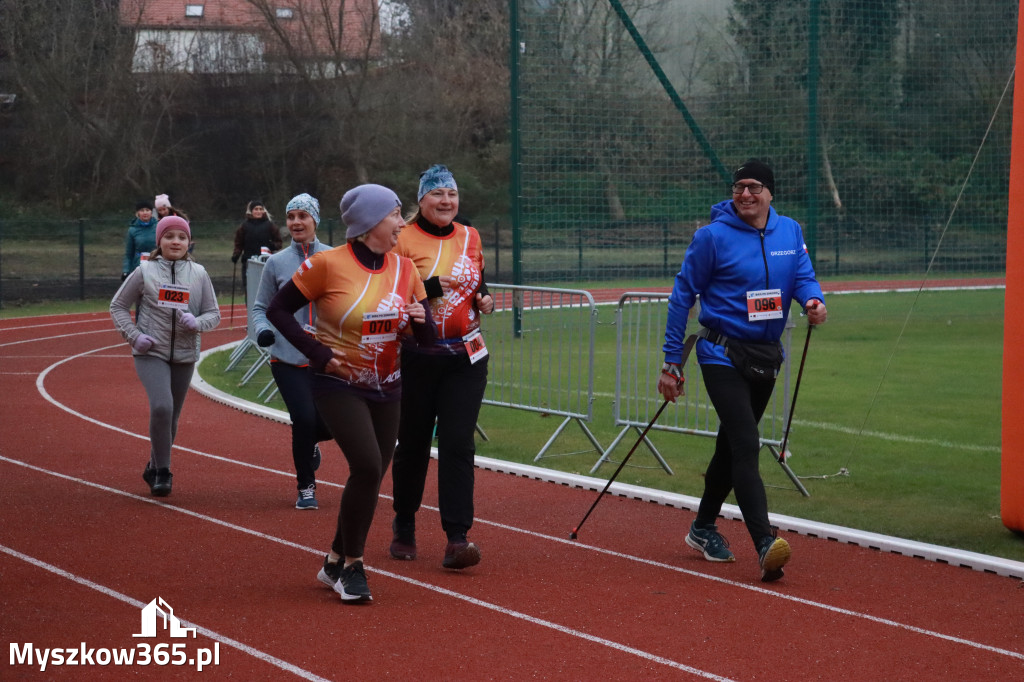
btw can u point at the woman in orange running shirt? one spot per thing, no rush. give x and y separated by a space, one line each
444 382
366 299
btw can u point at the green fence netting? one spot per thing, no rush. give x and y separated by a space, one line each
879 117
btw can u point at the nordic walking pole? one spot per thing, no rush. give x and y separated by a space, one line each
796 390
234 269
687 347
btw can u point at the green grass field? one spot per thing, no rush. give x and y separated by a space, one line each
900 390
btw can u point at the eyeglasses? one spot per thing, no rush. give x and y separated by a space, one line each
753 189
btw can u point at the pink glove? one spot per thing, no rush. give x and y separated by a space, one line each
143 342
188 320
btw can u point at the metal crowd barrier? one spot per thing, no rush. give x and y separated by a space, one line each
254 272
540 343
640 320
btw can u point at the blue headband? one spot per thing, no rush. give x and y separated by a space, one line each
435 177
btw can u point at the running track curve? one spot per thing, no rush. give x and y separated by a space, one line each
83 547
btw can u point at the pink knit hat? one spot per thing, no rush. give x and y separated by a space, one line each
172 222
162 200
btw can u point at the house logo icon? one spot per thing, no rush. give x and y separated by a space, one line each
158 607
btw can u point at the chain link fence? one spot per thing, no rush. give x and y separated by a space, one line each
42 260
879 118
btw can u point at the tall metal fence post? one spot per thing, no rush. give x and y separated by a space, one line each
1 264
81 259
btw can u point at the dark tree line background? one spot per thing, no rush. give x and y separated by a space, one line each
907 90
86 136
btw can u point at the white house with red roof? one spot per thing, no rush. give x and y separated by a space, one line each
246 36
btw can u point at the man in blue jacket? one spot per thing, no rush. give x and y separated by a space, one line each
746 266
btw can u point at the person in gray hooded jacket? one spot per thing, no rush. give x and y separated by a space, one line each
289 366
175 302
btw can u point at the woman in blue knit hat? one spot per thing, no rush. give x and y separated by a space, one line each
445 382
289 366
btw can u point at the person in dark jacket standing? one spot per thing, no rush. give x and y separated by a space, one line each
140 239
746 266
175 302
256 232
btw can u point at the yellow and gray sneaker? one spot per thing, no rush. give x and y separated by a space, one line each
772 553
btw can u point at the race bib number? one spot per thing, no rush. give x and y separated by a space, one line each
172 296
380 327
474 343
764 305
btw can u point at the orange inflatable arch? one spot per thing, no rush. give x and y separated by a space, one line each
1012 482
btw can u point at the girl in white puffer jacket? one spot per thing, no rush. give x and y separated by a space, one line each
175 302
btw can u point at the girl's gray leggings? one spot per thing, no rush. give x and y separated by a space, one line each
166 384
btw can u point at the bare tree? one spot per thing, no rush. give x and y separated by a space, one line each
86 129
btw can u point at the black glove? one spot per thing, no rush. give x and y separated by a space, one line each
124 276
234 258
265 338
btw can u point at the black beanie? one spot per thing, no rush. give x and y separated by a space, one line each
755 169
143 204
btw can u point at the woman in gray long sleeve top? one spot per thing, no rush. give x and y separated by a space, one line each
287 364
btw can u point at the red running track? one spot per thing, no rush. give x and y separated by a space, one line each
83 547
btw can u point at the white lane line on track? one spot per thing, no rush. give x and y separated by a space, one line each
579 634
650 562
62 336
206 632
57 324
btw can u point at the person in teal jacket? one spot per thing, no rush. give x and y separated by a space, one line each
746 266
140 239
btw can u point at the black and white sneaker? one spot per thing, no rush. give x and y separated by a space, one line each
329 573
352 584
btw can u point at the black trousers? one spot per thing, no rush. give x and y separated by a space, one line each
308 428
447 389
735 464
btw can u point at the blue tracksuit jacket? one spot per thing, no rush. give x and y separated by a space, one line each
726 259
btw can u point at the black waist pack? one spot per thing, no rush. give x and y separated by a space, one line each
755 361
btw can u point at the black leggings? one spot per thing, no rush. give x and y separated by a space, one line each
448 389
365 431
734 466
308 428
